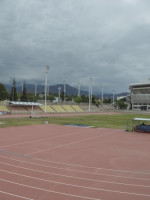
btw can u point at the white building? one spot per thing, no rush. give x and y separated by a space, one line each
140 96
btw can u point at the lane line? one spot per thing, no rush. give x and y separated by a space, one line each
76 177
59 183
75 142
88 167
79 171
10 194
74 165
13 153
74 133
51 191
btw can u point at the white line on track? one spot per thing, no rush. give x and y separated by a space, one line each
107 169
78 171
88 167
10 194
75 142
50 138
62 183
81 166
50 191
79 178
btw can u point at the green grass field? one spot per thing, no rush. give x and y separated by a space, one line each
108 121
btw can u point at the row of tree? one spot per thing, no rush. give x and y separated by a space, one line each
25 97
13 95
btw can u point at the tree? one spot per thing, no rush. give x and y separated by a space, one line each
51 97
62 95
24 94
84 99
78 99
13 94
93 99
122 104
3 92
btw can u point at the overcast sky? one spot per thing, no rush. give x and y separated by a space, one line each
108 40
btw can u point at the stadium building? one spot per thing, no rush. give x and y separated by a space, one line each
140 96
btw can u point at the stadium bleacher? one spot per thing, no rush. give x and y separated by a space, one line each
58 108
48 109
68 108
3 108
77 108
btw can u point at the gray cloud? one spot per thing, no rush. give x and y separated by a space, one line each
106 40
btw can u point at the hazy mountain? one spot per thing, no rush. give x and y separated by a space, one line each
52 89
69 90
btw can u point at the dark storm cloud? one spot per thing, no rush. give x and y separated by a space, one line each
106 40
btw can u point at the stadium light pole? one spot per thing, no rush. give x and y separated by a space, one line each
59 88
102 94
22 86
79 89
35 89
65 89
113 97
90 86
46 73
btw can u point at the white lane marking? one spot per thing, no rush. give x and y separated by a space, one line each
10 194
74 133
62 183
75 165
75 142
79 171
88 167
76 177
50 191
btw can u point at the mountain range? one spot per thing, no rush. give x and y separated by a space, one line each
54 90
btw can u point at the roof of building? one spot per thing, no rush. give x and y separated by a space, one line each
18 103
137 85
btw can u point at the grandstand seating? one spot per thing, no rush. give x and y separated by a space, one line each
68 108
3 108
58 108
48 108
77 108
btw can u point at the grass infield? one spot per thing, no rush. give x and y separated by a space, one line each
107 121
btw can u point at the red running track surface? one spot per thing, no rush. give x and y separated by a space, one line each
42 162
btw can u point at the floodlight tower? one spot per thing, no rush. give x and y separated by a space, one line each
113 97
46 73
35 89
90 89
22 86
59 88
79 89
65 81
102 93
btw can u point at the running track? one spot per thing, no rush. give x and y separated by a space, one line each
54 162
